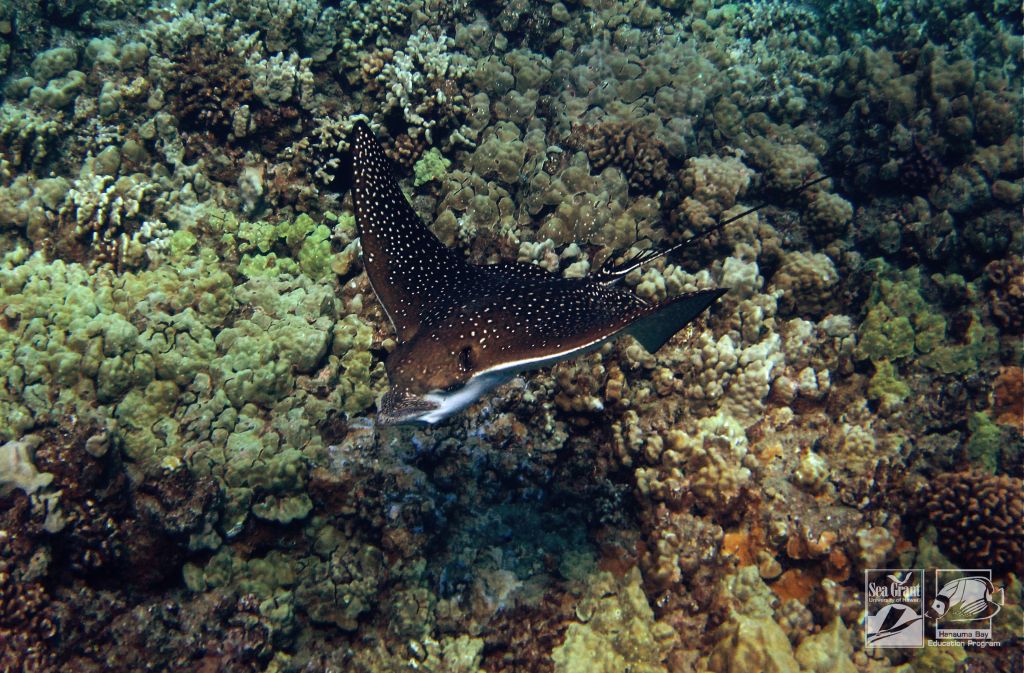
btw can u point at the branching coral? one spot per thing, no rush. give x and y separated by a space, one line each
418 81
27 137
104 220
207 91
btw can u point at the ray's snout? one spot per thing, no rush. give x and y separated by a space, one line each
398 408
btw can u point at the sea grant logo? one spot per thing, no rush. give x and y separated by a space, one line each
963 606
894 607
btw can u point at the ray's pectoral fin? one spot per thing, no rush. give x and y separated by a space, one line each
411 271
657 326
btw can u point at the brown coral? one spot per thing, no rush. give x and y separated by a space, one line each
979 518
678 545
807 282
208 89
1006 293
216 105
1008 405
406 150
27 621
524 637
629 147
72 556
371 65
919 168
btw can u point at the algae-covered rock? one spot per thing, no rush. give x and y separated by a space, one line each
616 632
270 579
753 598
752 644
939 659
340 582
827 651
284 509
751 640
462 654
17 471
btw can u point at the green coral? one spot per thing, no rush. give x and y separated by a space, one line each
333 581
167 354
362 378
257 235
988 446
898 320
73 340
901 325
270 579
253 266
289 247
315 255
431 166
886 387
181 243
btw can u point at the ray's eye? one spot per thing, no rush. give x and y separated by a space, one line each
466 358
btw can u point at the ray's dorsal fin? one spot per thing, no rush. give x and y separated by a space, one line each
412 273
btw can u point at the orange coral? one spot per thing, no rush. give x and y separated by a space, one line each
739 543
795 584
838 566
804 545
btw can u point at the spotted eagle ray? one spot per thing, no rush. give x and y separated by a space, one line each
464 329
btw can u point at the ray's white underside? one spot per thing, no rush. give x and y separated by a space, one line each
484 381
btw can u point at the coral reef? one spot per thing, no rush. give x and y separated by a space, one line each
190 352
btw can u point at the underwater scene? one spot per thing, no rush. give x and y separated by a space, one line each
554 336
